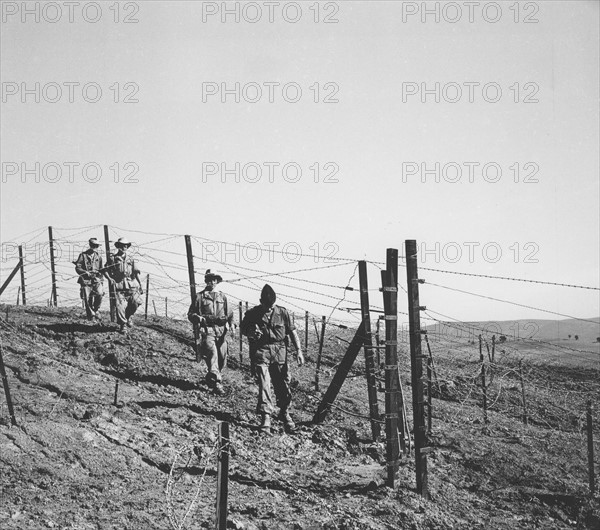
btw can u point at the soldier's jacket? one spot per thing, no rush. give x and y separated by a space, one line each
123 270
88 262
214 307
275 326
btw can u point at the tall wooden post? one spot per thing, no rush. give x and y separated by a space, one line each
192 279
23 298
321 340
9 402
590 446
390 306
111 288
525 417
483 383
222 476
52 267
416 362
306 332
240 331
368 347
147 294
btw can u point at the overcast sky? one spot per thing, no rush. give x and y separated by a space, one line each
350 99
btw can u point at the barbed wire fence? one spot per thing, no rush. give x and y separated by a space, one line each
520 378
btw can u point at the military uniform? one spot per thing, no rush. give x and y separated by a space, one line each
268 354
123 271
88 267
213 306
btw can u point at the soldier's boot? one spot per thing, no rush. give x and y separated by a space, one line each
288 422
265 423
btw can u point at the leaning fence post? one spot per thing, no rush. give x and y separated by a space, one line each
590 443
9 402
222 476
154 306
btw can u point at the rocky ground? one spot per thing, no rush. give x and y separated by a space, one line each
77 461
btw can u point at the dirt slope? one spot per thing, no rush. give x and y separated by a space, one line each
77 461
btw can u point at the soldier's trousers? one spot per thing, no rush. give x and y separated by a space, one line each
214 351
92 298
126 303
276 373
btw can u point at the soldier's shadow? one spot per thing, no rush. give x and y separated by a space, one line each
78 328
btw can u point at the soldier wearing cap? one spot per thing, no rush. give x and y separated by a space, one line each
122 273
211 311
91 277
268 328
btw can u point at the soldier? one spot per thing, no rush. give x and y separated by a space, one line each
122 272
91 277
268 327
211 311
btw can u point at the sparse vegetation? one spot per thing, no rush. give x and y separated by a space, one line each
76 461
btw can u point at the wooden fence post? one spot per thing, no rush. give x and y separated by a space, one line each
429 404
166 307
111 289
147 294
340 376
321 339
483 382
525 418
8 280
368 347
18 295
416 357
52 267
590 447
22 262
154 306
306 333
390 306
240 331
192 279
9 402
222 476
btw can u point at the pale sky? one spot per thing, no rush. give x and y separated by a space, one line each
370 63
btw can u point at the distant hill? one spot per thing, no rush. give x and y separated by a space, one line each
541 329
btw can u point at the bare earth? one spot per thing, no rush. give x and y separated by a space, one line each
76 461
